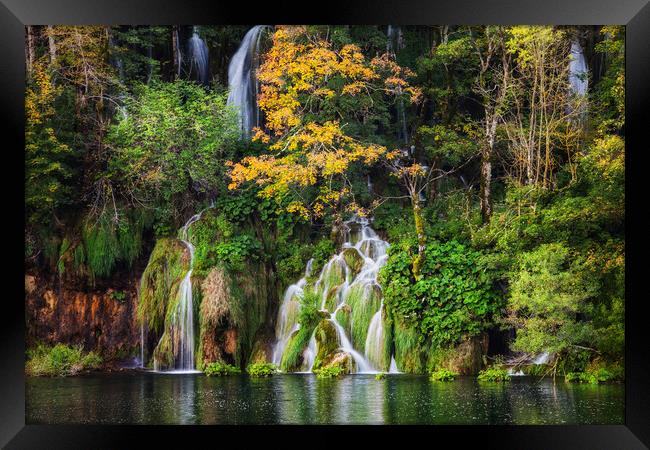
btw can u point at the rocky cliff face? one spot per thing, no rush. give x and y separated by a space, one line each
102 320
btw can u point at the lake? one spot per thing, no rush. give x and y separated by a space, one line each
136 397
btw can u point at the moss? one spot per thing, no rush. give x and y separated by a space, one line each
259 370
466 358
443 375
326 341
329 372
364 301
167 265
292 356
219 369
408 354
60 360
353 259
343 317
163 354
340 360
495 374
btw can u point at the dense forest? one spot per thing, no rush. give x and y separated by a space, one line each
181 180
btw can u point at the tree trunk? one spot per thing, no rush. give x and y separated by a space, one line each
486 179
51 44
419 230
176 52
30 50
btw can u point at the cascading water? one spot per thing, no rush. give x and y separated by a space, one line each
352 287
578 70
288 314
198 51
182 327
394 43
242 79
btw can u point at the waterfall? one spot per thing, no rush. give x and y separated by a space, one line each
542 358
375 339
198 51
393 44
370 252
242 79
578 70
182 325
288 315
393 365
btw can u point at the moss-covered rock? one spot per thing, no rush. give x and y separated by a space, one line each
343 317
466 358
293 351
408 354
339 359
353 259
364 302
168 264
327 341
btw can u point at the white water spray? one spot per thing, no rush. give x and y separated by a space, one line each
242 79
198 51
371 250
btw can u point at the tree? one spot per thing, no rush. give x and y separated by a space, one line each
47 158
312 94
491 85
541 114
547 296
172 141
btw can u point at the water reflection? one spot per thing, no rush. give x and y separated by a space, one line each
147 398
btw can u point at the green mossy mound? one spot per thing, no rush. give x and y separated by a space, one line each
327 342
353 259
364 302
168 264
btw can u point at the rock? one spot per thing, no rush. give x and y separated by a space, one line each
353 259
339 359
466 358
327 341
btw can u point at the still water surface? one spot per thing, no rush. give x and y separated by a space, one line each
153 398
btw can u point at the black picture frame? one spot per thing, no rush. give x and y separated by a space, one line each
14 14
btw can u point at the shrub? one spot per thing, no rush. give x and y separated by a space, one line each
261 369
60 360
328 372
380 376
494 374
219 369
443 375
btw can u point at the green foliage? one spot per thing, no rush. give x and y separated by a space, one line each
219 369
120 296
380 376
454 296
547 291
261 369
493 374
174 136
60 360
443 375
160 281
329 372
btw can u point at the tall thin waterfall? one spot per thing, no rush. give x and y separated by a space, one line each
242 79
183 322
393 44
288 314
352 288
578 70
198 51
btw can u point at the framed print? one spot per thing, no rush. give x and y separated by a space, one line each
408 217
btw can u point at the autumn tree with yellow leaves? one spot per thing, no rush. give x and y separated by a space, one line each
312 95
